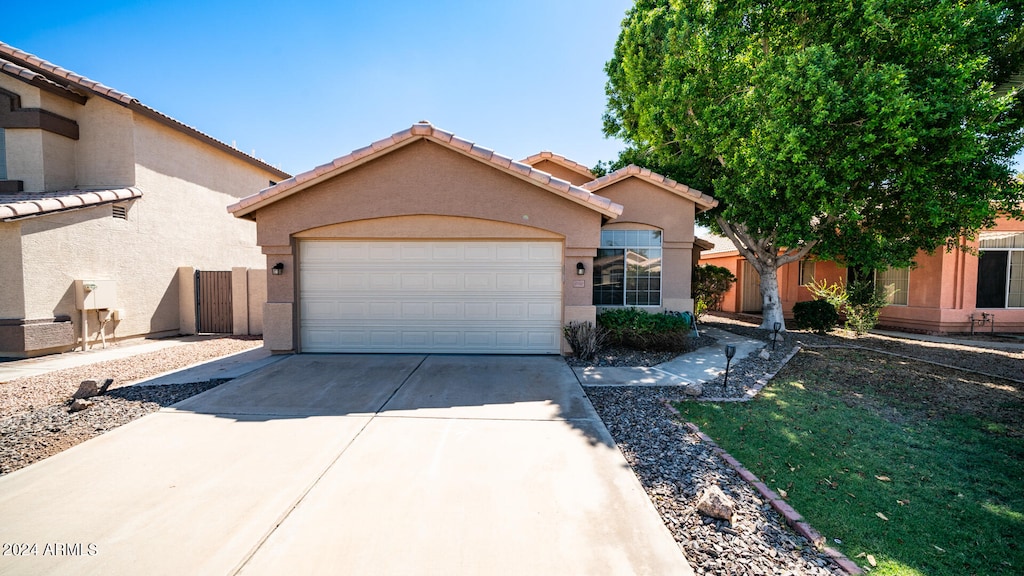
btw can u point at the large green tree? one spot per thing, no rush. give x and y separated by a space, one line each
856 130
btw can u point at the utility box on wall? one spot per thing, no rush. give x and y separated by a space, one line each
96 294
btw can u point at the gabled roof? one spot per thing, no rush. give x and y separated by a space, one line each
703 201
39 72
560 160
22 205
424 131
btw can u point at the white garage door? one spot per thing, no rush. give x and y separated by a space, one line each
458 297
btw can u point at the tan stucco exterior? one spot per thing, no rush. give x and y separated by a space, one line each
178 221
427 191
430 190
647 205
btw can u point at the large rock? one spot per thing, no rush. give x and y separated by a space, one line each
694 389
765 354
90 388
715 503
87 389
79 405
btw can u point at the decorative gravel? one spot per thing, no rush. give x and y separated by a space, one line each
35 420
674 467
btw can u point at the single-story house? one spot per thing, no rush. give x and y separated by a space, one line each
104 201
426 242
944 293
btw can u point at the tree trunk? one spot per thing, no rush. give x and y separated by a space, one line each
771 302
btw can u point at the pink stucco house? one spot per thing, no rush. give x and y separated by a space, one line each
944 293
426 242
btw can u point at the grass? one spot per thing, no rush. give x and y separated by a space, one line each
853 437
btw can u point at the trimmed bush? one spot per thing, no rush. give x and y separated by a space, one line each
634 328
585 338
710 283
817 315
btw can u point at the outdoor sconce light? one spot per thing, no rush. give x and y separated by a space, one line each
278 269
730 351
778 326
580 269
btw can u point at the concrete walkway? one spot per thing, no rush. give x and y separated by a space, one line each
12 369
699 366
1011 346
348 464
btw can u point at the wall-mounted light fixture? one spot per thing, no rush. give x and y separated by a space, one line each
580 269
278 269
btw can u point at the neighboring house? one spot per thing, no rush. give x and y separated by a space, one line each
425 242
942 294
97 187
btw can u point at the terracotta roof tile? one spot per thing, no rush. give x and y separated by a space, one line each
22 205
77 80
558 159
425 131
702 200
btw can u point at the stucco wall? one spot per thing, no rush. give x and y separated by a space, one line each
647 205
12 287
106 147
422 190
559 171
25 158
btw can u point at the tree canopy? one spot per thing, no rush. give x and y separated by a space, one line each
856 130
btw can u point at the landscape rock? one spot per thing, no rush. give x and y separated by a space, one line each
765 354
79 404
87 389
695 389
716 504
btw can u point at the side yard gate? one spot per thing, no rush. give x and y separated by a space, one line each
213 302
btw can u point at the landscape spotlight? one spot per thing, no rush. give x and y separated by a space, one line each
778 326
730 351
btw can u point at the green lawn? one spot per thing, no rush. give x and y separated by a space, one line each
851 436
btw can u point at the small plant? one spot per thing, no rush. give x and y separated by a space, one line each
859 301
710 283
585 338
634 328
817 315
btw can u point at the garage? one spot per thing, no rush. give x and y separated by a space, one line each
440 296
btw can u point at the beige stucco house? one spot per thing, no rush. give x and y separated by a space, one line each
97 187
426 242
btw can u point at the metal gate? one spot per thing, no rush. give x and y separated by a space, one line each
213 302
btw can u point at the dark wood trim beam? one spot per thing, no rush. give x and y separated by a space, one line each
12 115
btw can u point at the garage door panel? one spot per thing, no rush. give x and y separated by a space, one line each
460 297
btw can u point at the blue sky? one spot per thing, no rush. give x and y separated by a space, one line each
302 83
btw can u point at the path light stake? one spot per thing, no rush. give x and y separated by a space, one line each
778 326
730 351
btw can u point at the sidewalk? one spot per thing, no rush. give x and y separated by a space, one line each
1013 346
695 367
224 368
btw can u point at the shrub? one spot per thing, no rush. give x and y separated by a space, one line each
859 301
641 330
585 338
710 283
817 315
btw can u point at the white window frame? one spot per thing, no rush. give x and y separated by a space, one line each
1013 244
626 246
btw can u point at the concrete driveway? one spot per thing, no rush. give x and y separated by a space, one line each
348 464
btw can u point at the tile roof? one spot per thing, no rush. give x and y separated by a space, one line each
32 68
632 171
425 131
721 245
25 205
560 160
